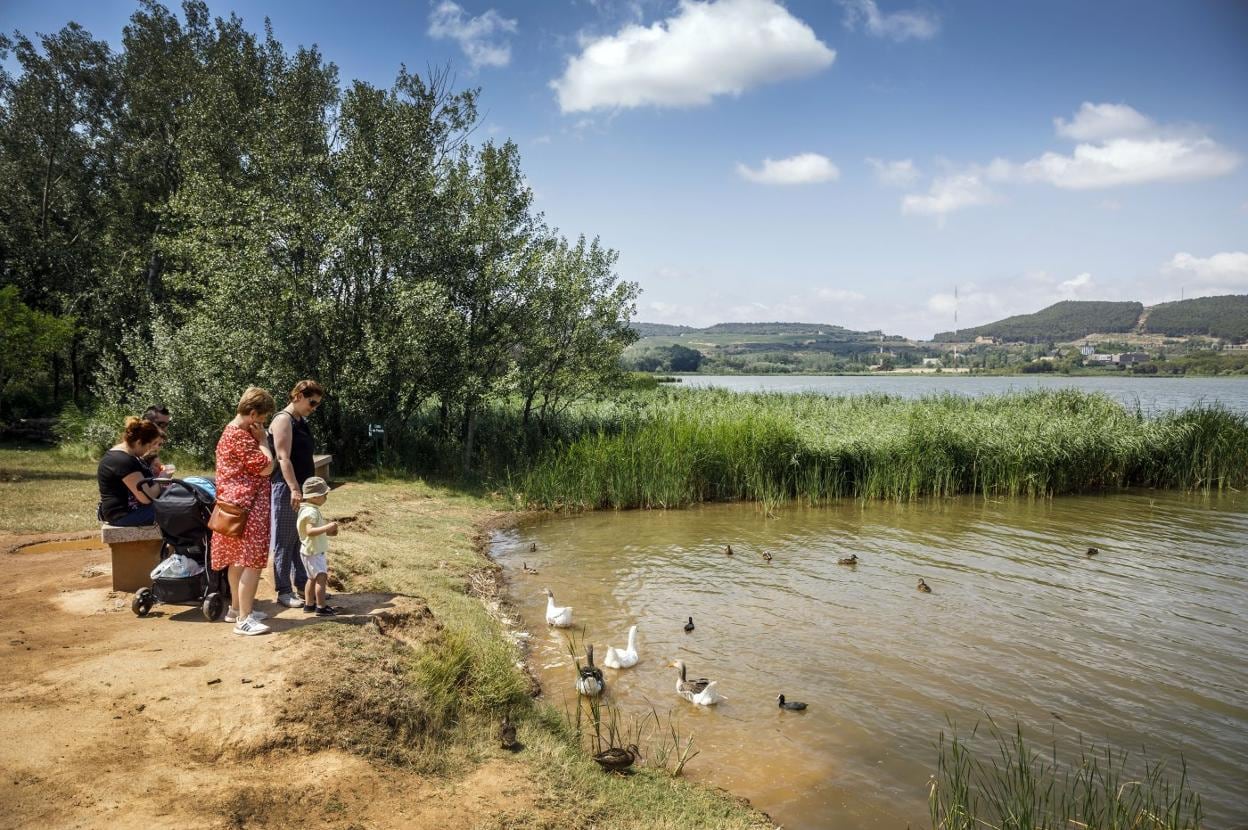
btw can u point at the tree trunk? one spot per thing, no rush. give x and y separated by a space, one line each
470 429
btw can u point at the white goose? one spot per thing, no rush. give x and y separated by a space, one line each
703 692
558 616
589 680
623 658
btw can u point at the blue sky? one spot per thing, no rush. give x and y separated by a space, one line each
843 162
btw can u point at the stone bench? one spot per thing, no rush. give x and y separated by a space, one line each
321 464
136 550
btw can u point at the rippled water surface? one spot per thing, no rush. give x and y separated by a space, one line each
1145 644
1151 394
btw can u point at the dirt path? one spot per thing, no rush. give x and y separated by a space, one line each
112 720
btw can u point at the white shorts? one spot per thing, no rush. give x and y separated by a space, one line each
314 564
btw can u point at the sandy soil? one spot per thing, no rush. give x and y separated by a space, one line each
112 720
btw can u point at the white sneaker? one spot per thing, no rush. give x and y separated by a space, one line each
250 626
231 615
290 601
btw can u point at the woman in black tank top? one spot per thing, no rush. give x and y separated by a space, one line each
292 449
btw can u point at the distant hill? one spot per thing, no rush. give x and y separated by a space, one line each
776 328
1225 316
659 329
1067 320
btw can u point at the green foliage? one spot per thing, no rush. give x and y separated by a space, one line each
1225 317
28 339
687 446
217 211
1067 320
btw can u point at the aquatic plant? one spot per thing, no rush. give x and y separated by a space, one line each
1020 788
689 446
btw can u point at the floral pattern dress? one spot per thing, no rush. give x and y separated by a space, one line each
242 480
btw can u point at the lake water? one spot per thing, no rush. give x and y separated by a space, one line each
1151 394
1145 644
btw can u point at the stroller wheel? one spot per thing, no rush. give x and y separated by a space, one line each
213 606
142 602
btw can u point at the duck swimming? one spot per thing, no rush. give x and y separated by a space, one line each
728 550
767 555
852 559
623 658
589 681
532 547
703 692
923 587
529 570
689 625
1093 552
791 705
558 616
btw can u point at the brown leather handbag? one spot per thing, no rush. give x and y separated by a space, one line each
228 519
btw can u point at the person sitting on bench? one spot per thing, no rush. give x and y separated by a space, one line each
123 502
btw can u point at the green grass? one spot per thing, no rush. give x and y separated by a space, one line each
1013 786
689 446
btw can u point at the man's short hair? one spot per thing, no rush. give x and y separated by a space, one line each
155 409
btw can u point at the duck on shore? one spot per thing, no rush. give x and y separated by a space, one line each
923 587
507 734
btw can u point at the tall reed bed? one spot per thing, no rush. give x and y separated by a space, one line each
690 446
1014 786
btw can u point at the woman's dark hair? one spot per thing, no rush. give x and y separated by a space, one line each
306 389
139 431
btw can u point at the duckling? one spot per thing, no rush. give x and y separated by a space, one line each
728 550
558 616
689 625
1093 552
532 547
529 570
767 556
589 681
703 692
507 734
923 587
852 559
791 705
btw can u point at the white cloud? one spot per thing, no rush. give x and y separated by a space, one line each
1228 269
1094 122
704 50
902 25
1131 149
1124 161
949 193
804 168
839 295
477 36
1076 286
901 173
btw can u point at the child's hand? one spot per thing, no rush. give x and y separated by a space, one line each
333 529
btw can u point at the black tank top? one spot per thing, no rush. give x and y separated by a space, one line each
300 450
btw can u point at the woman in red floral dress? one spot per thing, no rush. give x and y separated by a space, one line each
244 463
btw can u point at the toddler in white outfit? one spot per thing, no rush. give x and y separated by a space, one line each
314 533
